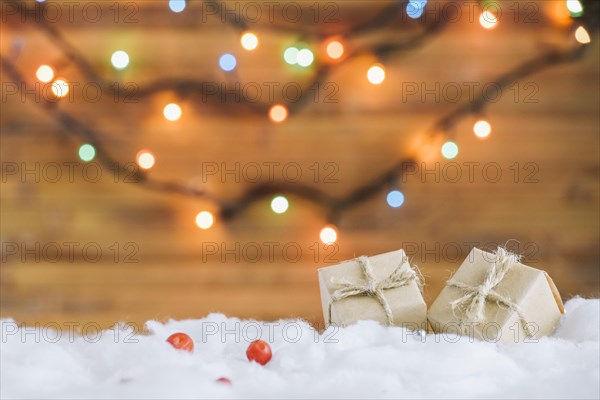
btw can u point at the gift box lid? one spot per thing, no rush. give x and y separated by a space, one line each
383 265
517 281
531 289
406 302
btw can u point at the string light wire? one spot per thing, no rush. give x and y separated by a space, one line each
231 208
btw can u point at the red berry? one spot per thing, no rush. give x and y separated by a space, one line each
181 341
224 380
259 351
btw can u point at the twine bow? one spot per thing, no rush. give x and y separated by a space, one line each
369 287
475 297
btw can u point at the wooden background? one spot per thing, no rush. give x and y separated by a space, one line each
555 220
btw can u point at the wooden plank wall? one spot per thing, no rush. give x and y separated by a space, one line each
553 219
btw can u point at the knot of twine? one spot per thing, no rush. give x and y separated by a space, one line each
475 297
370 287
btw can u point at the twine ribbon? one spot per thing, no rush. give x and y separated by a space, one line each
472 303
370 287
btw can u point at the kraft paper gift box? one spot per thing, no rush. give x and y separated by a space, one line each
493 297
383 288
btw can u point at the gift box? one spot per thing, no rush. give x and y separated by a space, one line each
493 297
382 288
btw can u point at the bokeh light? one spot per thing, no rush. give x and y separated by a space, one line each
582 36
279 204
177 6
119 59
204 219
249 41
415 8
482 129
488 20
60 87
44 73
227 62
145 159
278 113
290 55
395 198
559 14
575 8
328 235
87 152
305 58
335 49
376 74
172 112
449 150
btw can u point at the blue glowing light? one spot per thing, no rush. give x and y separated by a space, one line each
177 6
415 8
395 198
227 62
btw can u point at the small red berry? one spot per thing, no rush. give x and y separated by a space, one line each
259 351
181 341
224 380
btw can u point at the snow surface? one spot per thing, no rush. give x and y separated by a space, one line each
365 360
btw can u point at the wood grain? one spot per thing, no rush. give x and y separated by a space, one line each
550 208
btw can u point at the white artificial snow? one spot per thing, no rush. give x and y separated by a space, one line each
365 360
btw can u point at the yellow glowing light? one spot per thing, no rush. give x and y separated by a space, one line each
119 59
60 88
488 20
145 159
279 204
278 113
426 146
376 74
582 36
482 129
249 41
204 220
172 112
45 73
335 49
328 235
560 14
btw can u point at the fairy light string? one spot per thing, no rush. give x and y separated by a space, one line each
332 206
184 87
